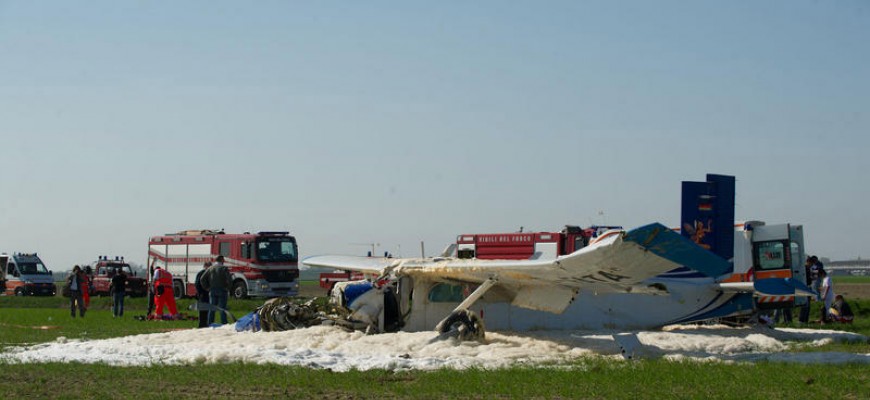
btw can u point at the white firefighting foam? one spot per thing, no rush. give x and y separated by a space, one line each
335 349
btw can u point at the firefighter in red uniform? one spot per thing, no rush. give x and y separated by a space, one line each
163 295
86 288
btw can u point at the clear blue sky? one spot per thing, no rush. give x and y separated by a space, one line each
395 123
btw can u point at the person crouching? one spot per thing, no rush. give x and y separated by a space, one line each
163 294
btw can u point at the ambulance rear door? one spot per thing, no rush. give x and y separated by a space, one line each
772 258
798 255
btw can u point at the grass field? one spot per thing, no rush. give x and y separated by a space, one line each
28 320
850 279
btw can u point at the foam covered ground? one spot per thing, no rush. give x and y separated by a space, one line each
332 348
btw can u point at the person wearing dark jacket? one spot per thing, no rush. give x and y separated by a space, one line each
217 280
202 296
118 288
811 271
76 283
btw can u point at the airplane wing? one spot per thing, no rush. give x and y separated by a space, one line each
366 265
618 261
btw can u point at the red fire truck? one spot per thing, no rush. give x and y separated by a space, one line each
527 245
104 270
263 264
503 246
329 279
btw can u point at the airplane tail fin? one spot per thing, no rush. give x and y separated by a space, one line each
707 215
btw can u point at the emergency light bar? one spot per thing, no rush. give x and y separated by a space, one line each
273 233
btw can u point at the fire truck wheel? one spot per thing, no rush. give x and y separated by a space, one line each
240 290
19 292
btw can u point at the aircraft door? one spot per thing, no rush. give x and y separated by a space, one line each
405 295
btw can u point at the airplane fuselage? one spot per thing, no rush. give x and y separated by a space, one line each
687 299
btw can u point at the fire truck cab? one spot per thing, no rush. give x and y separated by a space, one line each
25 274
263 264
531 245
105 269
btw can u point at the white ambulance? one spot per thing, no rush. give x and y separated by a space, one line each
24 274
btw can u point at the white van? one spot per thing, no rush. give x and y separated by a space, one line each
25 275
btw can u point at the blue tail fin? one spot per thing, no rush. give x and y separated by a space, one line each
707 216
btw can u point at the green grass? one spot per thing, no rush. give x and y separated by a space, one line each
28 320
652 379
849 279
860 307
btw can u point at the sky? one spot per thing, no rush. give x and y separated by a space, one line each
395 123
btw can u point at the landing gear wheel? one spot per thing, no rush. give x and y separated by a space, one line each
464 324
240 290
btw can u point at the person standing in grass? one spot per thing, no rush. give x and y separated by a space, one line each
76 283
217 281
826 292
814 272
86 286
118 288
804 316
202 296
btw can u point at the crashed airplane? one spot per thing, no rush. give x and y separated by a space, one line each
642 278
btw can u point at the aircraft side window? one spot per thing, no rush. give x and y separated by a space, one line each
445 293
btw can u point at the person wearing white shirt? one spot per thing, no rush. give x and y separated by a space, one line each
826 292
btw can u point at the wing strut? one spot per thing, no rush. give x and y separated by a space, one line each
476 294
